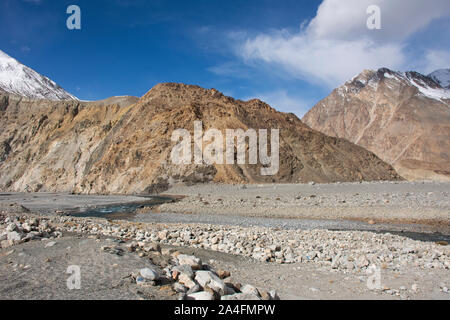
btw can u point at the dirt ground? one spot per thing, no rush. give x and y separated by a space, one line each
34 271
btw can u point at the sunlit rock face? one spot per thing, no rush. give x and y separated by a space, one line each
124 146
404 118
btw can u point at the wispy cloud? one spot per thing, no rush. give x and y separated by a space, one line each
436 59
25 49
321 61
282 100
336 44
231 68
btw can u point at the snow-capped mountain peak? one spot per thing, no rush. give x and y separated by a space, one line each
434 86
441 76
20 80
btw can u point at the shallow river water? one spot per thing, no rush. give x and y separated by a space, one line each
124 208
127 212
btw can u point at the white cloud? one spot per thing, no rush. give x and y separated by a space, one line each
347 19
281 100
336 45
436 59
322 61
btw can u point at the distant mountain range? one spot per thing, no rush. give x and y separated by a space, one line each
404 118
55 142
123 144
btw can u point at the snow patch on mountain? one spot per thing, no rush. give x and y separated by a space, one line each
431 86
431 89
441 76
23 81
437 94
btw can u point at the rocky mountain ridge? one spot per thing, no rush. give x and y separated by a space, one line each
82 147
441 76
404 118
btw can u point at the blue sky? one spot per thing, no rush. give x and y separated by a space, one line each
289 53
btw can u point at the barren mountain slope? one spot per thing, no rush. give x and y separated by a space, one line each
404 118
122 101
89 148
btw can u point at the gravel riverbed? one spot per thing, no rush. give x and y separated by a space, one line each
268 256
345 255
420 202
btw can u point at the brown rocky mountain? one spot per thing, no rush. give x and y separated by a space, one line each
404 118
121 101
96 148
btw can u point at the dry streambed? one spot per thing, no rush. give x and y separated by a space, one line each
169 270
351 252
402 202
344 250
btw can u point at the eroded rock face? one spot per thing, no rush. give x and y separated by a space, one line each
404 118
72 146
5 149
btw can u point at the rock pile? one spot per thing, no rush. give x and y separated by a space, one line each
347 251
190 278
14 230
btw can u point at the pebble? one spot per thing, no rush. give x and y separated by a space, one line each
186 280
203 295
223 274
50 244
140 280
185 269
210 280
149 274
194 262
14 236
249 289
241 296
